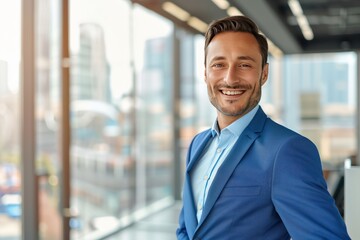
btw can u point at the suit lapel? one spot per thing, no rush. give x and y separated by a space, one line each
189 207
246 139
197 149
195 152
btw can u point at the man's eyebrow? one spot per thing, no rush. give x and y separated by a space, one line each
246 58
217 58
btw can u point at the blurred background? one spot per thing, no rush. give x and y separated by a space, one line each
99 100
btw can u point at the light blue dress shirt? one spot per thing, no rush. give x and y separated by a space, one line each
214 155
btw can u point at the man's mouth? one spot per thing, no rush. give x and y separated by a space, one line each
233 92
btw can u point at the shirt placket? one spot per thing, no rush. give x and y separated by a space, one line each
223 142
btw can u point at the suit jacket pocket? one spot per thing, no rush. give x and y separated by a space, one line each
241 191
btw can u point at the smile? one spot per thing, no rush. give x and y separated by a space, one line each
230 93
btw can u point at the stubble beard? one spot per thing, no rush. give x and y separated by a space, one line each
253 101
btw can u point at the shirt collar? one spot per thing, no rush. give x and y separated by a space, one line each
237 127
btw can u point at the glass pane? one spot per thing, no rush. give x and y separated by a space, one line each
103 169
10 189
154 104
48 102
272 98
205 111
320 101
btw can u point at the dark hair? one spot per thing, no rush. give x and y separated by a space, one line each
237 24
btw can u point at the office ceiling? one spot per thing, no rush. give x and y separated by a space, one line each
335 23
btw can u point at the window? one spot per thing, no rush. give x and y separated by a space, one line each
121 110
10 175
319 101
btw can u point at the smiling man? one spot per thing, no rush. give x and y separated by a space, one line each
248 177
234 75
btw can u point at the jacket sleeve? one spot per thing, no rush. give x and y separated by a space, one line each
300 195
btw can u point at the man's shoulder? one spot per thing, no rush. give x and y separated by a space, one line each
275 130
279 127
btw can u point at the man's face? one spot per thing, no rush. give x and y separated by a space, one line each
234 75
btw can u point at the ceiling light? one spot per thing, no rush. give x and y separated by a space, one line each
197 24
305 27
295 7
222 4
301 19
308 33
176 11
233 11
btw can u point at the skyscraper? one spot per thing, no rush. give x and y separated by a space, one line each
90 68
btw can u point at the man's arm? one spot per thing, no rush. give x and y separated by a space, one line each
300 194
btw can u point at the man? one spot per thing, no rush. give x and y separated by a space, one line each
248 177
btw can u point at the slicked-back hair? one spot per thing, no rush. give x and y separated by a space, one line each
237 24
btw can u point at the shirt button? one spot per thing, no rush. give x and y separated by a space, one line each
218 150
206 177
199 206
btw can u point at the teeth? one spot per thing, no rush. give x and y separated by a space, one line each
231 92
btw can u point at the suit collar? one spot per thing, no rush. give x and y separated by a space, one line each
258 122
200 141
199 144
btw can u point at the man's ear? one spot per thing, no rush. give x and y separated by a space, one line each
205 74
265 74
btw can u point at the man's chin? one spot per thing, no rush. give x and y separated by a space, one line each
232 113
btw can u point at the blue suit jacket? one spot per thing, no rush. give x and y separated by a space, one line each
269 187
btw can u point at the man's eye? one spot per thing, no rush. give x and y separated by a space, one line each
218 65
244 65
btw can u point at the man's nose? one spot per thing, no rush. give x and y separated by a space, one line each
231 76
